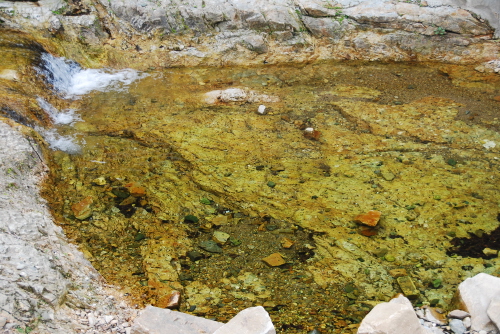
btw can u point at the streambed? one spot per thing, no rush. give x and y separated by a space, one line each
162 166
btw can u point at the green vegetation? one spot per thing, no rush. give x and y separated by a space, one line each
439 31
60 11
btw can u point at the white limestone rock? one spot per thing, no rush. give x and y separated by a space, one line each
494 311
253 320
477 293
238 95
458 314
390 318
154 320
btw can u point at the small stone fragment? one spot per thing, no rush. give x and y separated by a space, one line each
128 201
387 175
271 184
82 210
390 258
312 134
490 252
205 201
100 181
210 246
220 220
206 227
497 98
398 272
135 189
274 260
194 255
191 219
140 236
173 300
286 243
220 237
371 218
234 241
408 288
262 109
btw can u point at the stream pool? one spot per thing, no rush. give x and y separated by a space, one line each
281 160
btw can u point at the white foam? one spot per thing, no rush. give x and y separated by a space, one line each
69 79
59 142
67 116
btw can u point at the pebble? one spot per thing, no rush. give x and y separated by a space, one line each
100 181
388 176
136 189
220 220
194 255
174 300
82 210
274 260
262 109
408 287
458 314
457 326
286 243
210 246
398 272
220 237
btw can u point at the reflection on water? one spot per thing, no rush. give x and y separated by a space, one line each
162 170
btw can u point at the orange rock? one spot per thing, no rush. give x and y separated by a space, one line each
497 98
274 260
286 243
220 220
136 189
367 231
82 209
370 218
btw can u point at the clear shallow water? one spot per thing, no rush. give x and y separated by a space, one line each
403 139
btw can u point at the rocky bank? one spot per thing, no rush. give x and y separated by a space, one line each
164 33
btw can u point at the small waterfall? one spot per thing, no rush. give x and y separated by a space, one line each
58 117
70 80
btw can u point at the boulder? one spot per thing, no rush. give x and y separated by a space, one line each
154 320
477 294
391 317
253 320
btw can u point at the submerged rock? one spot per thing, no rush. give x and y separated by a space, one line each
83 209
371 218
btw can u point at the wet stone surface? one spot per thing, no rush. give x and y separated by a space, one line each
166 170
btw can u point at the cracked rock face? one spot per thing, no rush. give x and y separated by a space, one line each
234 32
